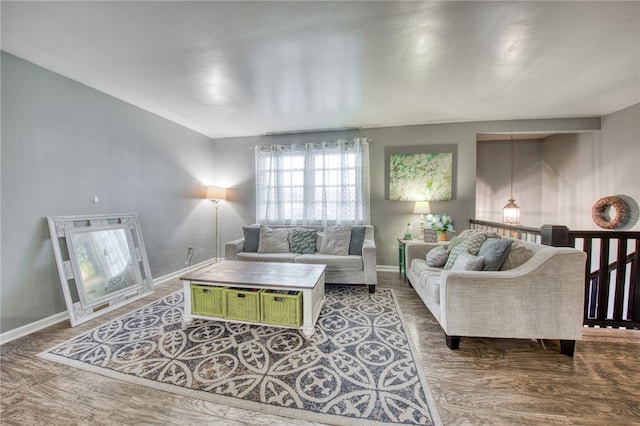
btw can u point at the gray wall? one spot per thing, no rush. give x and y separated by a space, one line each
493 183
235 161
63 143
558 179
582 168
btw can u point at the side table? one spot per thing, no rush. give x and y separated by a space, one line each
401 256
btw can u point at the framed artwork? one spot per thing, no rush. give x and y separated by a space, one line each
420 176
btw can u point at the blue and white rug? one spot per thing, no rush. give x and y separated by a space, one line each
358 368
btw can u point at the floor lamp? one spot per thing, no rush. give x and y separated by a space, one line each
216 194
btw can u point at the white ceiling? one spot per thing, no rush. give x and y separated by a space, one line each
248 68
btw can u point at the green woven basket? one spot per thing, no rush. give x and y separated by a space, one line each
207 300
280 307
243 304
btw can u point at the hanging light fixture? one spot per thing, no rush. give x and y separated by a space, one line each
511 211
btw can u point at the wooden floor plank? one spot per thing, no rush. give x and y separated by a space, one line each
485 382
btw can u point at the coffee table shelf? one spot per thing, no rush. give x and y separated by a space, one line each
307 279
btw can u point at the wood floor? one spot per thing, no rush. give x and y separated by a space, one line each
485 382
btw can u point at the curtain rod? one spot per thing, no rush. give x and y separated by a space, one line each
293 132
369 141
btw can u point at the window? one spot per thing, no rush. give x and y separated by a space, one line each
313 184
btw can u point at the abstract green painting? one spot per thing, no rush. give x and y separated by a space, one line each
420 177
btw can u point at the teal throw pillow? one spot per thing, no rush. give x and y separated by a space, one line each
302 241
495 252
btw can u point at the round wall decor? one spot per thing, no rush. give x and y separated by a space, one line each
600 216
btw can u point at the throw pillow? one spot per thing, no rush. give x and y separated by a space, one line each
468 262
251 239
302 240
336 240
437 257
273 240
357 238
518 254
494 251
470 244
455 241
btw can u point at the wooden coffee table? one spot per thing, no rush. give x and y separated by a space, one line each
308 279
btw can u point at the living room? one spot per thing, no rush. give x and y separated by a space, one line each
72 146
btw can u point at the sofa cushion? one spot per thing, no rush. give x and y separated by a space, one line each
495 252
336 240
437 257
418 266
251 238
468 262
357 238
302 240
470 244
518 255
333 262
429 278
273 240
431 282
268 257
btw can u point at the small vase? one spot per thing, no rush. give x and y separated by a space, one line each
442 236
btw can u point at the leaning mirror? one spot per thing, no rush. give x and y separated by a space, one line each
101 261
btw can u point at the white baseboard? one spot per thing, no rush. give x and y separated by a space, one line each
16 333
179 273
387 268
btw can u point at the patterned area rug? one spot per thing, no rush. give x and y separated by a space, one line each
358 368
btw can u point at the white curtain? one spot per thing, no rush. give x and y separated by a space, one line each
313 184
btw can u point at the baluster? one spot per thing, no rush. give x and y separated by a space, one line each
621 275
603 279
634 296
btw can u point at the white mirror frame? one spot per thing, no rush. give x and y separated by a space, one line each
80 305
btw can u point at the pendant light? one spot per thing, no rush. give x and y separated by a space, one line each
511 211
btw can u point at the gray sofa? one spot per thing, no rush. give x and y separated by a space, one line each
340 269
537 294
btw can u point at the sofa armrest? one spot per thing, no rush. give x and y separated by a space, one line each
543 298
369 261
417 250
232 248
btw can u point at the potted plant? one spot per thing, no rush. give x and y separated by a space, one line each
441 223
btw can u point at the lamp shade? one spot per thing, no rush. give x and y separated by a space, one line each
511 213
216 193
421 207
